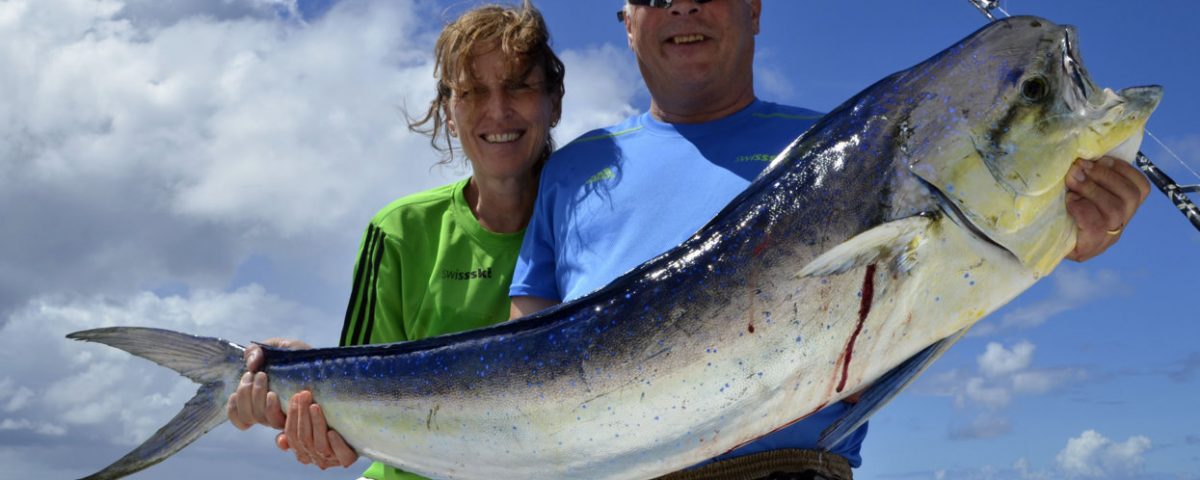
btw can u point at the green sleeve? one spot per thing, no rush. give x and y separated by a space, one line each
375 312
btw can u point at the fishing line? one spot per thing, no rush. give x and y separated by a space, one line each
1175 192
1177 159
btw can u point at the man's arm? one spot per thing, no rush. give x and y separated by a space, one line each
527 305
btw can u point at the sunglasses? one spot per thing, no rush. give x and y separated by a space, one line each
649 3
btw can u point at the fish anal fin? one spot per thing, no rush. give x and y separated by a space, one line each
879 393
897 240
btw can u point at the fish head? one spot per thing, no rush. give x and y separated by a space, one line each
1004 114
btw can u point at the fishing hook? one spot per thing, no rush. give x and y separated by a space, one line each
1175 192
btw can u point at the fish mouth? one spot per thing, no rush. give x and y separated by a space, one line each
1132 107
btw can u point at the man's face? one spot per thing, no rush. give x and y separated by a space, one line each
694 47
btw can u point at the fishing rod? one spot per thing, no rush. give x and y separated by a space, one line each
1178 194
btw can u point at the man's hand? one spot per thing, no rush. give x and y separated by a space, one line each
252 402
310 438
1102 197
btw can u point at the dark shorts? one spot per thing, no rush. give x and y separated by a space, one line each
772 465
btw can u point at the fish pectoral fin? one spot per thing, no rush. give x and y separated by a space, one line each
896 240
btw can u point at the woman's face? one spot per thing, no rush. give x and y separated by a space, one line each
502 119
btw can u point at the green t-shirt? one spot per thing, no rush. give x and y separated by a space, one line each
426 268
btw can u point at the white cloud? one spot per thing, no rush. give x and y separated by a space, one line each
138 152
991 396
14 399
1026 471
1004 374
165 13
1073 287
76 385
983 426
1092 455
151 143
601 83
1043 381
45 429
998 361
770 81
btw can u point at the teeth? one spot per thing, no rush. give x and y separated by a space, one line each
681 39
501 137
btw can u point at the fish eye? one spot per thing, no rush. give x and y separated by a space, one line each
1035 89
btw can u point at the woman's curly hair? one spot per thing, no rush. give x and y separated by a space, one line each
519 32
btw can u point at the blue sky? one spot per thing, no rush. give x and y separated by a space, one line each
208 167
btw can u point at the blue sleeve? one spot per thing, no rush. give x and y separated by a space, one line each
536 265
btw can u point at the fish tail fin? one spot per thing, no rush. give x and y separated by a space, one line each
213 363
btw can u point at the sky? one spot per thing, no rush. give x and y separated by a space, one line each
209 166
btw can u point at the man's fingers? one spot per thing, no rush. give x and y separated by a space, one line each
275 416
245 394
292 430
304 440
1111 177
346 456
328 443
1108 204
1135 176
259 400
232 413
319 432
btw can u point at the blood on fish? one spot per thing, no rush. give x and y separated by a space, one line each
864 309
762 246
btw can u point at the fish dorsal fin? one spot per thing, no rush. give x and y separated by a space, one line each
898 239
882 391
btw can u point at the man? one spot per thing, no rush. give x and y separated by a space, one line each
621 195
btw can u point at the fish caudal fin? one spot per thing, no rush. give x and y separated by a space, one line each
214 363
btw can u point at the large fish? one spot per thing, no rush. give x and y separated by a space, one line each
863 251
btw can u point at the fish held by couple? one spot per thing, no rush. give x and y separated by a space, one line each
857 257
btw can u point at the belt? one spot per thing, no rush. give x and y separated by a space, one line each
772 464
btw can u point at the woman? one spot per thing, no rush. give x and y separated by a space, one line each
440 261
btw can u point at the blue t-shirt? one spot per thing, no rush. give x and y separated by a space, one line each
619 196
